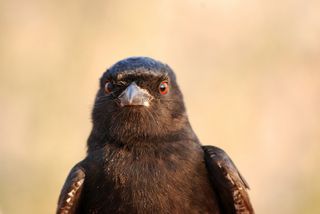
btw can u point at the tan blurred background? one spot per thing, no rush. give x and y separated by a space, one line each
249 70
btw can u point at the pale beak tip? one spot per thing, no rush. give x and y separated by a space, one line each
146 103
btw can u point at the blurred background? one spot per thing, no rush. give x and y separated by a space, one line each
249 71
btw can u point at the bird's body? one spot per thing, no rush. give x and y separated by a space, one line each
149 179
143 156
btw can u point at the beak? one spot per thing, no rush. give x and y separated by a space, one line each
134 96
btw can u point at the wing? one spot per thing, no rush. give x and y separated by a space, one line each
229 185
70 194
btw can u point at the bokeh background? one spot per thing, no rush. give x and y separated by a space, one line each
249 71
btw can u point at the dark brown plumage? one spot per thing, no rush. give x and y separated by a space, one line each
143 156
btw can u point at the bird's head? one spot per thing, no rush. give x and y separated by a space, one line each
138 99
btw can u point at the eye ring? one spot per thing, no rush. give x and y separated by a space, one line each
108 87
164 87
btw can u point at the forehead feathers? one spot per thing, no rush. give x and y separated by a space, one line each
138 67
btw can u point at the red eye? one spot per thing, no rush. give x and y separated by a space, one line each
108 87
163 87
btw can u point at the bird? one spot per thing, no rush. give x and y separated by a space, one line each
143 155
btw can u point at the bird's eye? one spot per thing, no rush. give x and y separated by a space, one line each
108 87
163 87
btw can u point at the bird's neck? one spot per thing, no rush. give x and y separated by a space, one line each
99 137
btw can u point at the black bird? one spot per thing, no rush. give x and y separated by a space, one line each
143 156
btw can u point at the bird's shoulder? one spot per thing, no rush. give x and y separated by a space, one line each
71 192
229 184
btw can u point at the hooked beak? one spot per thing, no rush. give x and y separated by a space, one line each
133 95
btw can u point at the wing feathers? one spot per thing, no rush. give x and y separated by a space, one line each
71 191
228 183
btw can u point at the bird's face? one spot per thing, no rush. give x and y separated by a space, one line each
137 101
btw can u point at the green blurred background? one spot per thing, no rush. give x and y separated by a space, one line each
249 71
